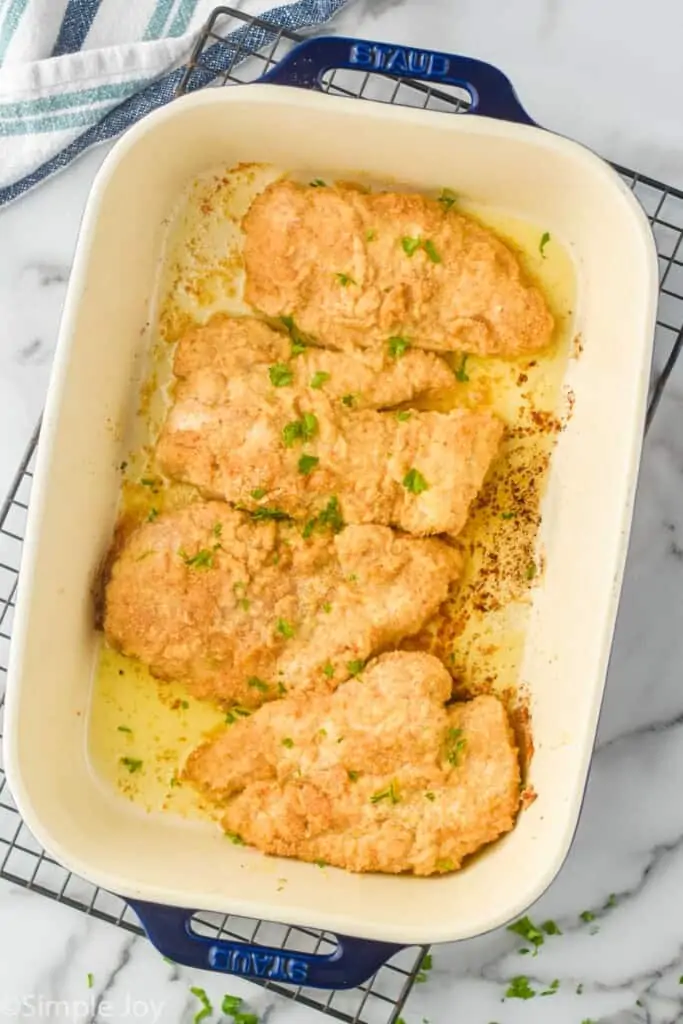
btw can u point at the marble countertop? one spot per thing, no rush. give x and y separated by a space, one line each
609 75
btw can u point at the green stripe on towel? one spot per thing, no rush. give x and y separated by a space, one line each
67 100
9 25
157 22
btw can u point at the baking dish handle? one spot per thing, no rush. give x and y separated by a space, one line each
491 92
349 965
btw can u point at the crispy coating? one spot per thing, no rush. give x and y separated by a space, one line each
356 268
244 611
378 776
227 433
377 380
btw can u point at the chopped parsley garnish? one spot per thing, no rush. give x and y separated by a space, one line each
319 378
426 964
330 517
280 375
258 493
445 865
398 346
414 482
390 793
579 989
217 529
231 1008
430 249
403 415
519 988
317 183
430 796
611 902
184 704
236 712
152 514
348 401
133 764
328 669
552 988
410 245
353 776
355 667
321 863
235 838
288 742
175 781
264 512
370 235
298 341
545 238
587 916
281 689
124 728
447 198
148 481
461 373
202 560
291 433
551 928
507 515
307 464
528 930
90 980
588 1020
304 429
285 629
344 279
257 684
326 607
530 570
455 745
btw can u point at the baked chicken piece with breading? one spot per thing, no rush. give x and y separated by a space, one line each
244 611
269 435
376 380
381 775
357 268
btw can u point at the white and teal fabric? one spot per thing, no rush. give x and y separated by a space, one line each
77 72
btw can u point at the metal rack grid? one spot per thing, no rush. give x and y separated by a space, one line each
236 49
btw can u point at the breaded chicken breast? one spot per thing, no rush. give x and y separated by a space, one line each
243 610
380 775
360 268
376 379
256 434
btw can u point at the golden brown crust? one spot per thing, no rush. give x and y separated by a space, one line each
378 776
207 596
226 432
335 260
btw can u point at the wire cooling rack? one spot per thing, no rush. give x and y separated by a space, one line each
235 49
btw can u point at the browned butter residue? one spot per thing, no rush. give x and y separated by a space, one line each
480 631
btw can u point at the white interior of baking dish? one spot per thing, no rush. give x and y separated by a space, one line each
548 180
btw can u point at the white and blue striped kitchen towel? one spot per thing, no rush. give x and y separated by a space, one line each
77 72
